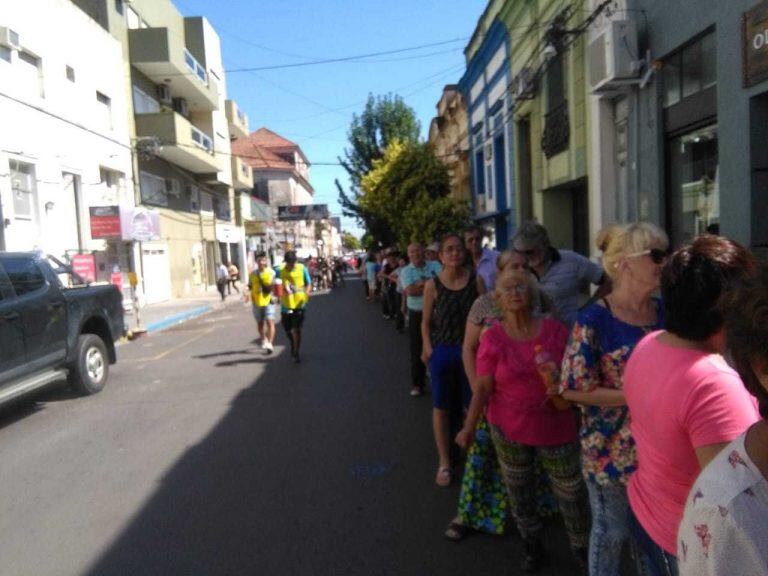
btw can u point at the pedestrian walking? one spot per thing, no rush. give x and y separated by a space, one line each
483 259
296 288
562 274
413 278
517 367
261 288
222 277
686 402
725 523
234 277
447 300
371 270
601 342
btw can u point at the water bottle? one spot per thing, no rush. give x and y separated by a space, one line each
549 374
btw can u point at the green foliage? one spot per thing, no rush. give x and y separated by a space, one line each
350 242
384 120
408 188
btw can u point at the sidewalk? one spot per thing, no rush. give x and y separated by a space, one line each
162 315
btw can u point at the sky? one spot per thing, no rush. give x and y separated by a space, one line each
313 105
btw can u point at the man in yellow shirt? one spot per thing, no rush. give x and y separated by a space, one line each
261 283
296 285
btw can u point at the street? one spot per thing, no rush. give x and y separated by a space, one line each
204 456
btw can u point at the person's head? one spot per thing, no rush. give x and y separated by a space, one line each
416 254
432 251
746 334
510 259
532 241
372 255
452 251
694 281
261 260
634 253
392 257
473 239
290 259
515 291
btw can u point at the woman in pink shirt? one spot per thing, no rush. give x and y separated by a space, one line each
685 402
514 357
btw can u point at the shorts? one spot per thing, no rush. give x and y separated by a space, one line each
262 313
292 319
446 371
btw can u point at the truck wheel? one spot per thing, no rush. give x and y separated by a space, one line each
88 374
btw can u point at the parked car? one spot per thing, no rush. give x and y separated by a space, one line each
54 326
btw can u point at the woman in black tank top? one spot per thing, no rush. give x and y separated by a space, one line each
447 300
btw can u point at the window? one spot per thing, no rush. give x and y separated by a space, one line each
70 74
153 189
202 139
105 109
23 188
690 70
119 7
132 19
24 274
30 73
555 75
143 103
5 53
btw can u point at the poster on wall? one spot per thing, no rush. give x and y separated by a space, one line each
105 222
84 265
140 224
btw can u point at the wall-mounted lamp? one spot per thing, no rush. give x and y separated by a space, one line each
49 206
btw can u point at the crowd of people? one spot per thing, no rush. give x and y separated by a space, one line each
636 411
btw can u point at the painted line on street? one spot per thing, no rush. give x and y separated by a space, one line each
165 353
178 318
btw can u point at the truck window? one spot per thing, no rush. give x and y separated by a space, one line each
24 275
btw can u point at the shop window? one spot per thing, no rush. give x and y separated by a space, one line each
694 202
690 70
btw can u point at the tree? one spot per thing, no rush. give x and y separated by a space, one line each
408 188
350 242
383 120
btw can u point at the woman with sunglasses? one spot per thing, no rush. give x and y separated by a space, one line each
523 418
601 341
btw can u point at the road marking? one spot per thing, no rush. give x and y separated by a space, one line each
174 348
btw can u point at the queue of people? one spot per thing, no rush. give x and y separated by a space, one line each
624 410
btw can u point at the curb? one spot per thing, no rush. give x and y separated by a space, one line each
177 318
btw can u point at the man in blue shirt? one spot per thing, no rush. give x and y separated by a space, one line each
413 278
483 259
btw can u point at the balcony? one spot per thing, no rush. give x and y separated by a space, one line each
242 175
238 121
181 143
163 58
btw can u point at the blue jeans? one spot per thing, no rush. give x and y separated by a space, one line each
610 527
650 558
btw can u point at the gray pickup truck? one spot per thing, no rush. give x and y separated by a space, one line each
54 326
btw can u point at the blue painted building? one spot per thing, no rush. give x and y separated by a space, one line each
485 88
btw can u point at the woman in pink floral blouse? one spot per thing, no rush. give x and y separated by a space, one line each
602 339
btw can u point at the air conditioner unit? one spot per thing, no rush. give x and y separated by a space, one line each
164 94
9 38
180 105
613 57
524 84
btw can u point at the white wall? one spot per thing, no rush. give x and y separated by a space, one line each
58 126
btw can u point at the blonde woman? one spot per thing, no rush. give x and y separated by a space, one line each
602 339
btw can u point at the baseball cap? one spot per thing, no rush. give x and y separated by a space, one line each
434 247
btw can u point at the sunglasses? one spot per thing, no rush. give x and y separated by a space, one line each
657 255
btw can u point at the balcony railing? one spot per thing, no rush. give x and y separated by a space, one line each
196 67
557 131
202 139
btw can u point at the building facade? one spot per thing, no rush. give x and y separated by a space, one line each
485 89
448 135
65 148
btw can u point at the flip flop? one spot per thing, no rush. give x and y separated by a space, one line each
443 477
456 531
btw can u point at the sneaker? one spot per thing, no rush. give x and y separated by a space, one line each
264 344
268 348
416 391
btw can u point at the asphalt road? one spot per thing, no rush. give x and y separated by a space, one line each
203 456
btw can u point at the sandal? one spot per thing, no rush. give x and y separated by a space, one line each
443 477
456 531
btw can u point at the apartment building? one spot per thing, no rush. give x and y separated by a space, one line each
180 131
65 147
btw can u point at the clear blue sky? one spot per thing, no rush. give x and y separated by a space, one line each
313 105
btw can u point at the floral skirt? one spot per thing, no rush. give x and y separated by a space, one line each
483 502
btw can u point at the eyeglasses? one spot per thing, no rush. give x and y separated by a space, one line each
657 255
517 289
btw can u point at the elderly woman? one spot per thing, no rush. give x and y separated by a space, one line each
516 371
725 524
448 296
602 339
686 403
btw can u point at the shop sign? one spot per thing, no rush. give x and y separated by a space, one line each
140 224
105 222
755 44
116 279
228 234
303 212
255 228
84 265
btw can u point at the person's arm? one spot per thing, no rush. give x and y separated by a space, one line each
469 348
476 407
426 321
415 288
705 454
307 282
481 289
606 397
